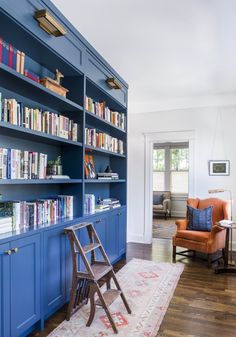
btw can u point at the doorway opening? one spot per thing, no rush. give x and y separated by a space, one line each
170 178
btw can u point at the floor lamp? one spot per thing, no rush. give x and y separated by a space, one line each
222 190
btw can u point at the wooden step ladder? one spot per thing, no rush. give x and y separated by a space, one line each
85 284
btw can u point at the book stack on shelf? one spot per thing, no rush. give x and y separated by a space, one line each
5 224
18 164
108 176
108 203
91 207
35 119
101 110
12 57
30 214
103 141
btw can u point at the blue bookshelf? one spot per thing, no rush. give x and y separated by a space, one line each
37 279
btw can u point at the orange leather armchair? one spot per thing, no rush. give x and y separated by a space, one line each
205 242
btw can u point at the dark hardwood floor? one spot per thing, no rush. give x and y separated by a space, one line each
204 304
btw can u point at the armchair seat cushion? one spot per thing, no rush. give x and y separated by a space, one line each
158 207
194 235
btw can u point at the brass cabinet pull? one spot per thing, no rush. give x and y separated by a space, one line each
8 252
15 250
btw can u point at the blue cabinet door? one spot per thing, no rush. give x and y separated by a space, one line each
112 237
4 290
121 214
100 224
54 270
24 281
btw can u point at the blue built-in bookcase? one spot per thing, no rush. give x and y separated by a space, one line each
35 263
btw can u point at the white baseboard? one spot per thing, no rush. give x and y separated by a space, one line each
178 214
136 238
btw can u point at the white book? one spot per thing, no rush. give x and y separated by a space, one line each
226 223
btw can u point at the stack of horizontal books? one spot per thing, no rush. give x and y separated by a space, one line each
5 224
107 176
108 203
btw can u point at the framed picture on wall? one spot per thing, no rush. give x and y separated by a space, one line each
219 167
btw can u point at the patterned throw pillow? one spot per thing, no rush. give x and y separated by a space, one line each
200 219
158 199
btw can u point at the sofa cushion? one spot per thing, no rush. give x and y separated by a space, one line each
158 199
193 235
200 219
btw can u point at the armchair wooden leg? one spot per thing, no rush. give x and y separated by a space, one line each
209 260
174 254
223 254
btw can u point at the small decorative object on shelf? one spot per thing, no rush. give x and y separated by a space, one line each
89 168
54 167
48 23
54 85
108 169
113 83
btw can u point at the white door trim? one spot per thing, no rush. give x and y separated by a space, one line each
163 137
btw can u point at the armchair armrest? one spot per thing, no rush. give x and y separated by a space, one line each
166 204
181 224
216 229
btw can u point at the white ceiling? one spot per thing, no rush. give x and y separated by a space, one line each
173 53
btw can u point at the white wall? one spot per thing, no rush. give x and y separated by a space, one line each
203 122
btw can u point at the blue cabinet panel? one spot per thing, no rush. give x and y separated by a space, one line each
54 269
4 290
112 238
121 214
25 284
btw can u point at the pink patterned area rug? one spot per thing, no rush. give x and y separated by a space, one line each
148 287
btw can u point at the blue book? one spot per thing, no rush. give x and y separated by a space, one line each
9 164
5 53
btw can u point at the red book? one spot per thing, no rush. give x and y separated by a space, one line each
10 60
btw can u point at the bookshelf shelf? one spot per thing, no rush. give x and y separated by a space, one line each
39 181
104 181
101 122
27 87
102 151
21 132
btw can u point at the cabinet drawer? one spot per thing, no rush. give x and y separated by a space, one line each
67 46
98 73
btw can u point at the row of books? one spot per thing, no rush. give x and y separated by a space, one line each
30 214
12 57
101 110
19 164
52 123
103 141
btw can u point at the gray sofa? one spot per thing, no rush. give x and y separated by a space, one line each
162 203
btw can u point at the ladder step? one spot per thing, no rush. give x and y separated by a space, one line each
109 296
90 247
